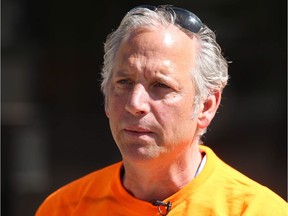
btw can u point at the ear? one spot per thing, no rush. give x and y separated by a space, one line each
208 109
107 111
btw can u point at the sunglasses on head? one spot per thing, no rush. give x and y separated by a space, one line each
184 18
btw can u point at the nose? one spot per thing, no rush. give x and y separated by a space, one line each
138 101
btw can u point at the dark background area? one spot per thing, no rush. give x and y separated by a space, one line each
54 129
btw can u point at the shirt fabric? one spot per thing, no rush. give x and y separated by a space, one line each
218 190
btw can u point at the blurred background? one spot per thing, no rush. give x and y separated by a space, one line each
54 129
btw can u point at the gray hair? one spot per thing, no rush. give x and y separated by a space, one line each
210 72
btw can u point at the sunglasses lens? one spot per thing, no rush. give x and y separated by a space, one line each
187 20
184 18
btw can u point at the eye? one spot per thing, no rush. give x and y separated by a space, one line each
125 82
161 85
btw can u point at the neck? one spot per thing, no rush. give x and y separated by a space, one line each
159 179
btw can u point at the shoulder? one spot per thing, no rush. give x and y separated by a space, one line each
241 191
95 178
64 198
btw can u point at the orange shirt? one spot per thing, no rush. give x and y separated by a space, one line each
217 190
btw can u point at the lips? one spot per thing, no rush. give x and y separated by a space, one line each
137 129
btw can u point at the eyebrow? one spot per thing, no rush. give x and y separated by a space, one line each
122 73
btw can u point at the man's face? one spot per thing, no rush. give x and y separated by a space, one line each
151 94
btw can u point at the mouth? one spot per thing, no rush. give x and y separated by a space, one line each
138 134
137 130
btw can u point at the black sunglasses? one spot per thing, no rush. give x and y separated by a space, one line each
184 18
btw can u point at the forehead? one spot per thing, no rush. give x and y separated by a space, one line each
150 45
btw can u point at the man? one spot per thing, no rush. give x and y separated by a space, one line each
163 76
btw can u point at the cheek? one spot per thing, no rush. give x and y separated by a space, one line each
175 115
177 126
180 117
115 108
179 107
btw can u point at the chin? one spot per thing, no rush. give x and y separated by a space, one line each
140 153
